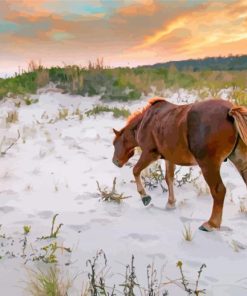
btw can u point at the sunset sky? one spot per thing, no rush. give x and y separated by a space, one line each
125 33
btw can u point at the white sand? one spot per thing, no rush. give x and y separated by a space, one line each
53 169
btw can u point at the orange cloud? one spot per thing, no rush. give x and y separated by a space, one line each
30 8
210 25
142 8
172 26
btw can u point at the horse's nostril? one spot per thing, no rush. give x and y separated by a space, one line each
116 162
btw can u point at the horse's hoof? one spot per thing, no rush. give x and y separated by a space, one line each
206 227
170 206
146 200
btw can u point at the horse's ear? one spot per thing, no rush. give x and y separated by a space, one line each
116 132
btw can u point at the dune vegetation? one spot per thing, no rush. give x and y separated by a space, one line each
124 84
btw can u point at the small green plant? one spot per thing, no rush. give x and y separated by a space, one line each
29 101
187 233
111 195
26 229
54 232
196 291
48 254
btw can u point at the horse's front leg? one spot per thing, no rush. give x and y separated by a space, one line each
169 177
144 160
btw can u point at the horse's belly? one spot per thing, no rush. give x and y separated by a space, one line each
179 156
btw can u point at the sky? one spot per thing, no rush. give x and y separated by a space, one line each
123 32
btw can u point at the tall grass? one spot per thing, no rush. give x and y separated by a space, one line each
48 283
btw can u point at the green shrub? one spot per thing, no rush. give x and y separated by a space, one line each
117 112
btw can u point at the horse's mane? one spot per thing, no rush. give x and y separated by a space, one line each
139 113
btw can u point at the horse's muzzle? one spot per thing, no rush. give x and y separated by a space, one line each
117 163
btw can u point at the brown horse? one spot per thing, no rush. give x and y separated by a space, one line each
204 133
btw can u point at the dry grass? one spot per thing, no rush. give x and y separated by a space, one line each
10 145
97 65
17 103
187 233
48 283
12 117
63 113
75 79
48 136
34 66
42 78
239 96
242 206
201 186
234 246
111 194
78 113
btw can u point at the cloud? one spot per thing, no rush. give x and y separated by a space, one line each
128 32
209 25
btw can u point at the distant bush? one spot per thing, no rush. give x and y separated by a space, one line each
20 84
117 112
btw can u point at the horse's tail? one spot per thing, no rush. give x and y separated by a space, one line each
239 114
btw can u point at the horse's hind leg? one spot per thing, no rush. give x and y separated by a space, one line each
211 173
170 167
144 160
239 159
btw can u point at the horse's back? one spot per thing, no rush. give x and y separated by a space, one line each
211 133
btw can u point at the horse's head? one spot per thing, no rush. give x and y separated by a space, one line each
124 144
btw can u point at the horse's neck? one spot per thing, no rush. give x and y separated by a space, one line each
134 124
131 129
